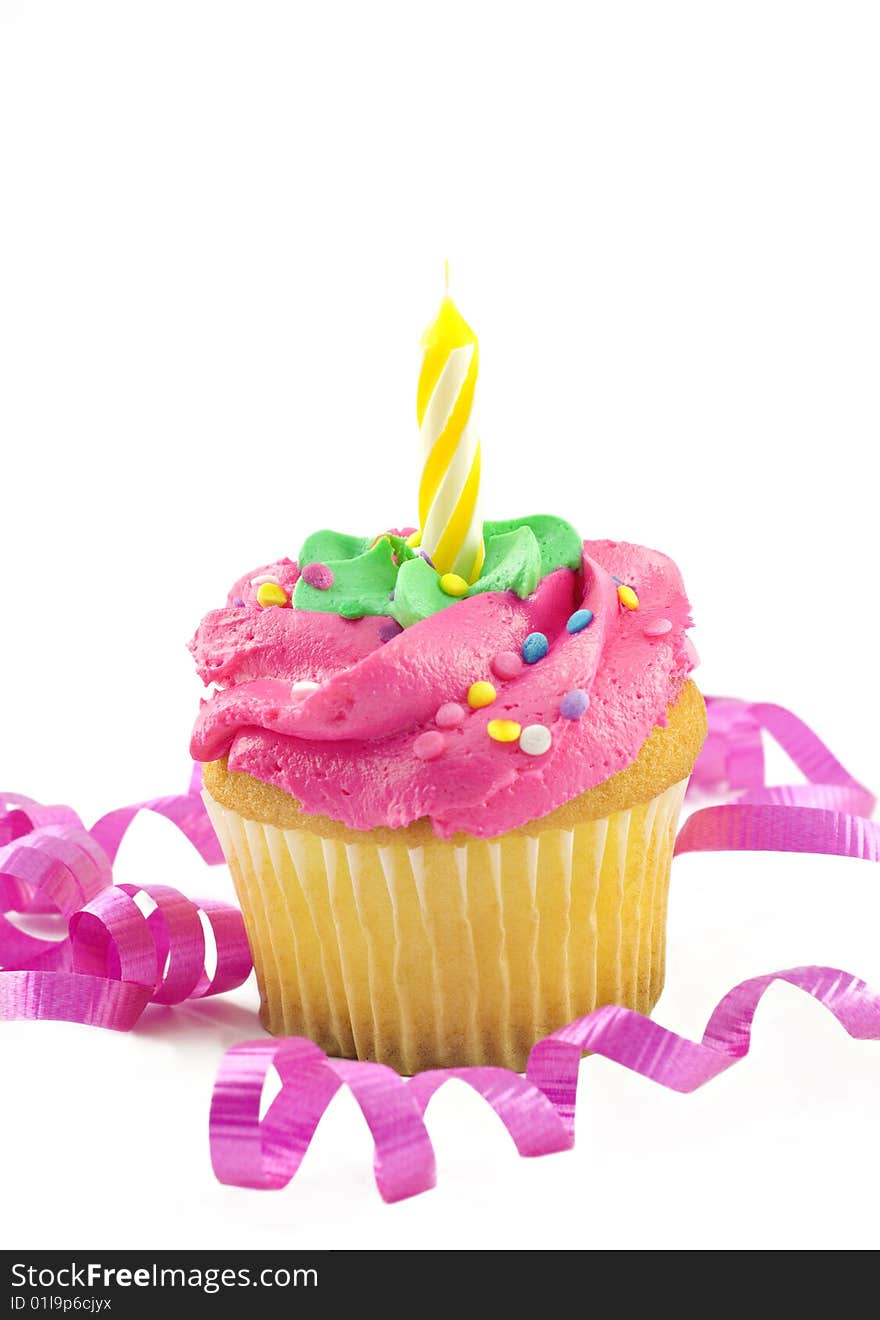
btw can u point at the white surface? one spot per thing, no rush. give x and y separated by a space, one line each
222 230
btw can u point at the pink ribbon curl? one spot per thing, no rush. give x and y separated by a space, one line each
126 947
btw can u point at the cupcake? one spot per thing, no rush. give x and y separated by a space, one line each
448 792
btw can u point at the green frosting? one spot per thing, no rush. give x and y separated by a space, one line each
519 554
512 563
361 585
418 593
558 542
331 547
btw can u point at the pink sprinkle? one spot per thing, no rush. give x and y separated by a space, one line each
691 652
657 627
318 576
506 664
449 716
428 746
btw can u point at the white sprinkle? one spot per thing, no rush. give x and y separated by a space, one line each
265 577
302 687
535 739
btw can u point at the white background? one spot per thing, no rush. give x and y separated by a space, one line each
222 229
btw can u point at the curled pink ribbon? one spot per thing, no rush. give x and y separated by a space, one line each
117 958
126 946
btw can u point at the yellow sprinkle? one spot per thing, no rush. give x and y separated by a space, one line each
414 539
628 597
271 594
481 694
453 585
504 730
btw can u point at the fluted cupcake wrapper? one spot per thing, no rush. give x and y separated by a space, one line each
448 953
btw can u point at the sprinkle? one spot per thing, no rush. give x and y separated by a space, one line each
238 603
429 561
535 739
579 620
506 664
271 594
428 746
534 648
414 539
303 686
503 730
615 580
318 576
574 704
261 578
452 584
449 716
481 694
389 629
657 627
627 597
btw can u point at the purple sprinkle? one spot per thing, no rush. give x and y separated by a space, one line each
427 558
389 630
574 704
238 603
391 595
318 576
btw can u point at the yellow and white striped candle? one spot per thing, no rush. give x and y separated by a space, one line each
449 493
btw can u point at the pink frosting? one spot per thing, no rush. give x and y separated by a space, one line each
347 749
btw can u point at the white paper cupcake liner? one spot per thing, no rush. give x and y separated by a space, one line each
450 954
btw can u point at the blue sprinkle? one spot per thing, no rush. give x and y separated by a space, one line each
579 620
238 602
574 704
534 648
615 580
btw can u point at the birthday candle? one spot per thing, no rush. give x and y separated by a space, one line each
449 503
